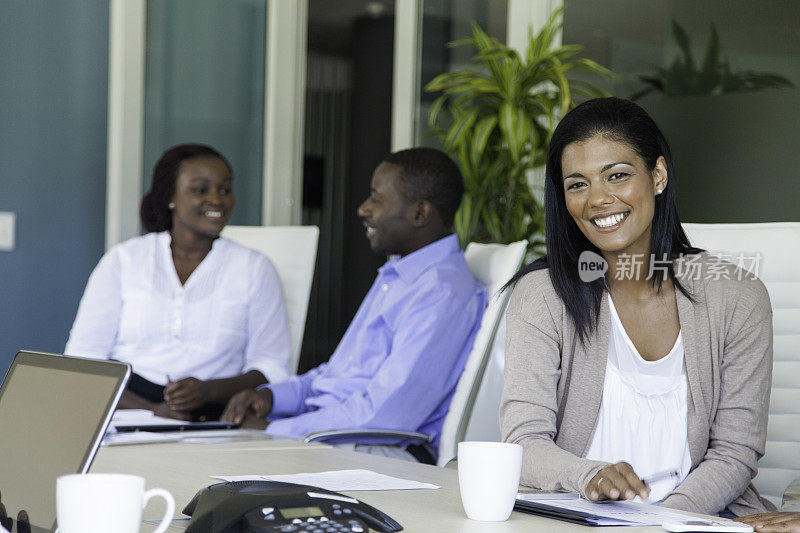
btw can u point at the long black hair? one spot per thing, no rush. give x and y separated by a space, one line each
154 210
622 121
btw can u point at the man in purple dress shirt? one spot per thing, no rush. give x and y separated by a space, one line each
397 364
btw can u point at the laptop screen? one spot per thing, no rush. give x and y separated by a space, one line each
53 414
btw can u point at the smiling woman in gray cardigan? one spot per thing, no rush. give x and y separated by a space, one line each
559 324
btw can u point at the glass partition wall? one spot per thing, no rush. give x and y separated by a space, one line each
204 83
445 21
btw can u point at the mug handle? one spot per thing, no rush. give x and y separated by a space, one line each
167 520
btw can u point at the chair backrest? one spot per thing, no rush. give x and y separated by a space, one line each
492 265
293 252
778 246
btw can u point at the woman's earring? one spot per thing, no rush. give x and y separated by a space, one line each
171 205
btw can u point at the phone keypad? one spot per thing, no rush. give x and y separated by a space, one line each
322 525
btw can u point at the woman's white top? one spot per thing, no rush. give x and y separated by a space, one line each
229 317
643 413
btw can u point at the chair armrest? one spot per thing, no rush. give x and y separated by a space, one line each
322 436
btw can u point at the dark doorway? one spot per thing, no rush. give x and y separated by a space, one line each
347 134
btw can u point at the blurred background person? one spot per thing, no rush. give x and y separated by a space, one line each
198 317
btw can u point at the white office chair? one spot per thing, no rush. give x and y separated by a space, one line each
779 269
293 252
492 265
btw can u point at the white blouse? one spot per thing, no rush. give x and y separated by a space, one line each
229 317
643 413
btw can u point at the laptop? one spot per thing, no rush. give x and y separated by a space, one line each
54 411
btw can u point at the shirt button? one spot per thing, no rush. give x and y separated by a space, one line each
384 287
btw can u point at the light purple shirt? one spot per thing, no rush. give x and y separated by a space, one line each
398 363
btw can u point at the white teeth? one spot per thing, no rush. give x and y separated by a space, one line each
213 214
609 220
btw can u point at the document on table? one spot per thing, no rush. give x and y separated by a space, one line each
148 437
140 437
617 513
140 417
339 480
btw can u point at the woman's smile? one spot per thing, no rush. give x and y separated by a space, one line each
610 222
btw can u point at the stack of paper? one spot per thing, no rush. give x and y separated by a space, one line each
140 437
613 513
139 417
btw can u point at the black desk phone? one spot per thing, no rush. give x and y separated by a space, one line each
272 506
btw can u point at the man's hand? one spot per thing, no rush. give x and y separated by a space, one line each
247 404
253 422
773 522
186 394
616 482
163 410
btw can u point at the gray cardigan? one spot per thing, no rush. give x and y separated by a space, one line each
553 384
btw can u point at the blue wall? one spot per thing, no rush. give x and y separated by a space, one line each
53 106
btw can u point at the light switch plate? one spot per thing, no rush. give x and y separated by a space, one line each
8 222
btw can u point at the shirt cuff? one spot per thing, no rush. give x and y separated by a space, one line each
286 397
272 370
283 426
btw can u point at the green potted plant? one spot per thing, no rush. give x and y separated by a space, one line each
496 121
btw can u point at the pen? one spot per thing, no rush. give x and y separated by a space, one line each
658 476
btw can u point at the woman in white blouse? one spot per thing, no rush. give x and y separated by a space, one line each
198 317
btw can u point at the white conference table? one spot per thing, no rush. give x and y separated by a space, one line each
184 468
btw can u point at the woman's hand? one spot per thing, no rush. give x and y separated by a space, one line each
773 522
617 482
186 394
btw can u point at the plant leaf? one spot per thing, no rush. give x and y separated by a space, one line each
682 38
460 129
480 138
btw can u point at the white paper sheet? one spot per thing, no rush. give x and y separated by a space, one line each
140 417
541 496
618 513
140 437
339 480
150 437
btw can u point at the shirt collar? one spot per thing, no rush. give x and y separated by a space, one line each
166 240
408 268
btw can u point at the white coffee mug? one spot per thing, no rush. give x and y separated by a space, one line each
102 503
488 476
